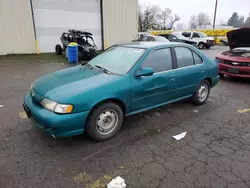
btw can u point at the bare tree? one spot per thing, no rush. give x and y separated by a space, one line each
148 17
193 22
203 19
199 20
172 20
164 17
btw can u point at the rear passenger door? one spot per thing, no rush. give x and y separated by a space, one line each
189 72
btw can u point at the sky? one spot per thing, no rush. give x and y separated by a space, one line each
186 8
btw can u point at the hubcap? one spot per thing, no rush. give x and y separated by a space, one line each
107 122
202 92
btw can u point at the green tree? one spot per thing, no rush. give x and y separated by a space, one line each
236 20
247 22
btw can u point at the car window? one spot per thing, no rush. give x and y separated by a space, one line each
159 60
186 34
184 57
171 37
197 59
150 39
118 59
196 35
144 39
160 39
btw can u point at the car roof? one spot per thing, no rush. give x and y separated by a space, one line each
148 45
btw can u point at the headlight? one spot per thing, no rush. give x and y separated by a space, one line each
55 107
48 104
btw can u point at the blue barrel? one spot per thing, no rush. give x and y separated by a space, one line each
73 52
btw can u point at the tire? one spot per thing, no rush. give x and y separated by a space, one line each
58 49
95 127
201 45
199 97
222 75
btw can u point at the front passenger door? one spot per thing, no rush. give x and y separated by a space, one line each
149 91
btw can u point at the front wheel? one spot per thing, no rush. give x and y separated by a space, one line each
202 93
104 121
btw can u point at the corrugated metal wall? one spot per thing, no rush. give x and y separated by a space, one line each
120 21
16 27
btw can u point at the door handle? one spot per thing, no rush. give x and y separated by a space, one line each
203 70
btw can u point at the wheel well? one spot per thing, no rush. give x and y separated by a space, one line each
209 80
113 100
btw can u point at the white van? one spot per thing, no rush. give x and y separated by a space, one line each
202 40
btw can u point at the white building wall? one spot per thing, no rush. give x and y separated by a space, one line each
16 27
120 20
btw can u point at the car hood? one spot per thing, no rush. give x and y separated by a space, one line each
239 38
69 82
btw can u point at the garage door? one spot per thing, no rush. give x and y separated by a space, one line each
53 17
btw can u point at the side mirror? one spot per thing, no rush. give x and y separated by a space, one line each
147 71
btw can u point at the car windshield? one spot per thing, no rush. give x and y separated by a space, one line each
202 34
160 39
117 59
179 36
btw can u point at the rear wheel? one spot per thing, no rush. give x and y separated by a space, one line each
104 121
58 49
202 93
201 45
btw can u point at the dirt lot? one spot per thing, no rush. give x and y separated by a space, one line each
214 153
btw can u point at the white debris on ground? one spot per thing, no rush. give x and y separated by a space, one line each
180 136
18 77
1 106
117 182
195 111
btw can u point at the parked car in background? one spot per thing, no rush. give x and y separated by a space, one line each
145 38
177 37
86 44
236 61
123 80
202 40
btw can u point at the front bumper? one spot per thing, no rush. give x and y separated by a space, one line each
234 71
57 125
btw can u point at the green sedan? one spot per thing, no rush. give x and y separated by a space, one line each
126 79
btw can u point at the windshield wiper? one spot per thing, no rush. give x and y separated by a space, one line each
88 65
103 69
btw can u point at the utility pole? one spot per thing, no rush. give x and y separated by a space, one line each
215 11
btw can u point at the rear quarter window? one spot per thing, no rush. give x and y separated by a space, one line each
197 59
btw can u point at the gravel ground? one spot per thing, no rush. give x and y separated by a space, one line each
214 153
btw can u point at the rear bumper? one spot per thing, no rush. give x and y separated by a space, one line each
243 72
57 125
